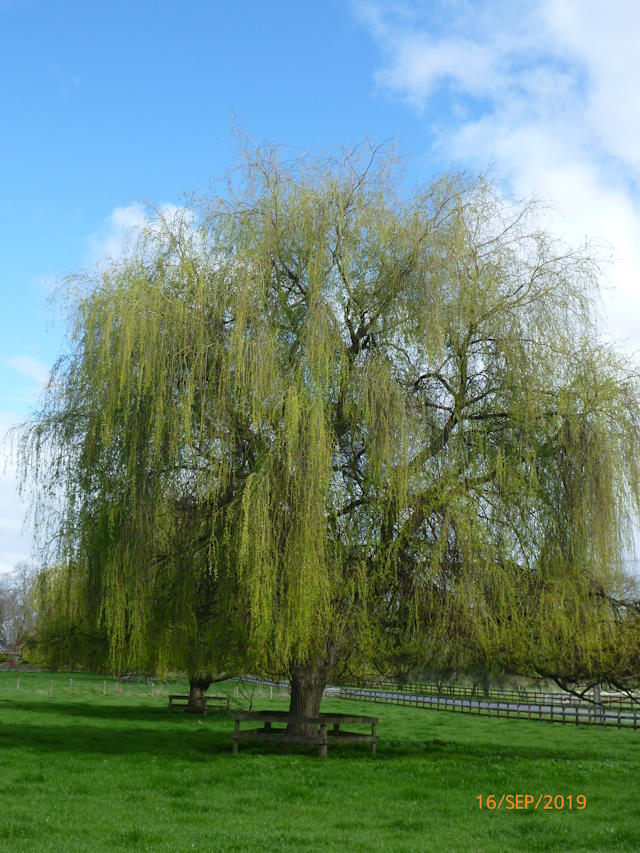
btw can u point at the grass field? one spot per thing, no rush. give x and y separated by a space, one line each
83 771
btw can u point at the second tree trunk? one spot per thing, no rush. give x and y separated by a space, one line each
198 686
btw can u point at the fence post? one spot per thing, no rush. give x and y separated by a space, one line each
599 713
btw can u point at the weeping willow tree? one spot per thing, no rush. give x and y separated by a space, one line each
320 426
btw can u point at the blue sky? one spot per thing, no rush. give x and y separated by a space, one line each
106 106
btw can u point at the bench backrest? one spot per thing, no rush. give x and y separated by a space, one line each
321 719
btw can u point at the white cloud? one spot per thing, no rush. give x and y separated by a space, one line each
112 238
422 63
547 94
124 224
30 367
604 40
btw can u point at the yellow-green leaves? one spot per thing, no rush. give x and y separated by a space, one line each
318 413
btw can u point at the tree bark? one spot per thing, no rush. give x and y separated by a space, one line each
198 686
307 686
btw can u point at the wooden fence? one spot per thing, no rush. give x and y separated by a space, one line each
553 713
513 694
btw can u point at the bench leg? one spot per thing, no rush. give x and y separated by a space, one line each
322 751
235 747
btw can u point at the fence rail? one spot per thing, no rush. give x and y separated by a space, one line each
513 694
564 713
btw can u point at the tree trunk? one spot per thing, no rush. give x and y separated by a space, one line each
198 686
307 686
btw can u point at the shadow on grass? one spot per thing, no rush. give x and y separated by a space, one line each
91 710
90 739
84 728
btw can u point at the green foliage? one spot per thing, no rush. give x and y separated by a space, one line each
68 630
315 419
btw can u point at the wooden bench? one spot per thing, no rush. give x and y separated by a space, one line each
321 739
213 703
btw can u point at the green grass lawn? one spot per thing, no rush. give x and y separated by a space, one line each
83 771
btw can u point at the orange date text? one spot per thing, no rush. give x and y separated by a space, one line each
521 802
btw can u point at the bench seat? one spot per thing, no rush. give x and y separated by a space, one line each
211 702
322 738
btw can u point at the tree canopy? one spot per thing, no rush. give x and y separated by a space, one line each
316 424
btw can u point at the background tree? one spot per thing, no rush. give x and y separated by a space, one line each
369 420
17 607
